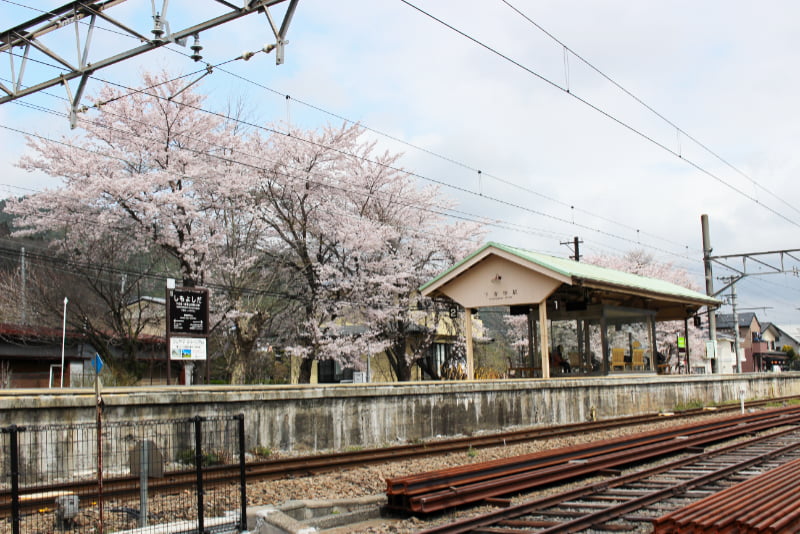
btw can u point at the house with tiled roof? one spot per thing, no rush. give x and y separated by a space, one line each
778 336
32 357
759 355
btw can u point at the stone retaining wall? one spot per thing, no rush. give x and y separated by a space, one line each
325 417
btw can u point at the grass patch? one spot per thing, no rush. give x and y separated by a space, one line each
188 457
689 405
261 451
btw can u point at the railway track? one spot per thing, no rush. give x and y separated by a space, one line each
439 490
309 465
633 502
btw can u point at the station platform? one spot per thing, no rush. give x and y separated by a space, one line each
319 417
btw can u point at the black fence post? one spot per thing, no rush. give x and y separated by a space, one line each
198 448
242 475
13 451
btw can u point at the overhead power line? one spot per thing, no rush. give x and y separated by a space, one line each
636 242
678 129
247 55
601 111
436 181
467 166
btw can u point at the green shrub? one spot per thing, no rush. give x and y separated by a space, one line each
188 457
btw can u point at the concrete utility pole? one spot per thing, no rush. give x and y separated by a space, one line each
712 313
736 347
767 262
24 285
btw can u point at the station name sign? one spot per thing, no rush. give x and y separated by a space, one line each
188 311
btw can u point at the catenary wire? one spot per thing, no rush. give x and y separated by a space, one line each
445 158
604 113
449 159
56 218
436 181
651 109
466 166
417 175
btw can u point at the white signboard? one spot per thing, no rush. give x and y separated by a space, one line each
187 348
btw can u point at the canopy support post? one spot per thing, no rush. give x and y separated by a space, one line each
544 346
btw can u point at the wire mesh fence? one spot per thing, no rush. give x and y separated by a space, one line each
183 475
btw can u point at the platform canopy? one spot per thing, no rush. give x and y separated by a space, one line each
500 275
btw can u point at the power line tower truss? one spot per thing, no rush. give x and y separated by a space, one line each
757 264
36 47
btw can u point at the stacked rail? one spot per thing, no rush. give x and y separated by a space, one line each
633 501
447 488
768 503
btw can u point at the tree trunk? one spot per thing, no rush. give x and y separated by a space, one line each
403 371
397 357
237 370
305 371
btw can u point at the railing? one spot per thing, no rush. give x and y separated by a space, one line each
123 476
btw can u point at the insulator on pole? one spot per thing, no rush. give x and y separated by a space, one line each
196 48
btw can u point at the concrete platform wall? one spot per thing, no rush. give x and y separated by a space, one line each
316 417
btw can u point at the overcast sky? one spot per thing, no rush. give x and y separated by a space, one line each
591 162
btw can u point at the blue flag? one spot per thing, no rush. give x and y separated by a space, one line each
97 363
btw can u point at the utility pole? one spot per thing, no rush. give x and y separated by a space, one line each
767 262
712 313
736 349
575 248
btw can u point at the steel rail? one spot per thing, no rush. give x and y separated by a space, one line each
464 484
410 484
537 478
506 519
748 506
320 463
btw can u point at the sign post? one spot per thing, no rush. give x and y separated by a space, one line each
97 363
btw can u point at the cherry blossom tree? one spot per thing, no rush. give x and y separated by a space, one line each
360 236
152 169
143 162
317 229
518 334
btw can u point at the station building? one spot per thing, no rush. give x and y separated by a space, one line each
597 320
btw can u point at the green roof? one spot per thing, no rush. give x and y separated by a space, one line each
586 272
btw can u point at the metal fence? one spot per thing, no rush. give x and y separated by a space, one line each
184 475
